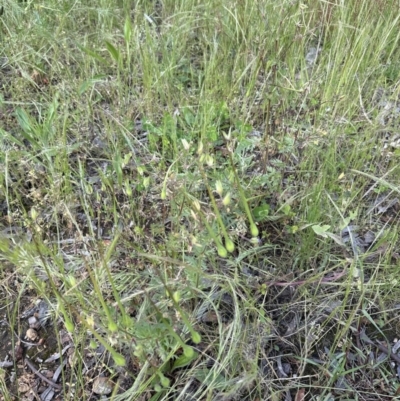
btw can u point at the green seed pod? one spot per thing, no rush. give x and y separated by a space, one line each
222 252
219 188
112 326
196 337
185 144
188 351
118 359
254 230
227 199
196 204
34 213
68 324
209 161
138 351
176 296
230 246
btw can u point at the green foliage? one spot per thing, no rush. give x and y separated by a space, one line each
143 143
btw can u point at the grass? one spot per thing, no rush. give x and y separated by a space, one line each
207 209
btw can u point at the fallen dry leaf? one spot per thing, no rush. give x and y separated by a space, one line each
300 395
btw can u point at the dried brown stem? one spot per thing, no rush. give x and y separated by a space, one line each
42 377
331 279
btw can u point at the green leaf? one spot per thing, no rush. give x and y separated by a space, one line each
113 51
380 180
165 382
67 321
68 324
93 54
184 360
188 116
23 120
118 359
347 220
90 82
261 212
127 29
336 238
321 230
324 233
207 377
159 392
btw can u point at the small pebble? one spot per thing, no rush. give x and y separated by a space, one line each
102 386
31 335
34 322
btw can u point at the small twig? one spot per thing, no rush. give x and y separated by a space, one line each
335 277
361 335
42 377
381 347
58 354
